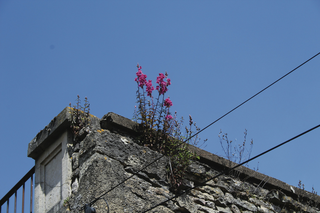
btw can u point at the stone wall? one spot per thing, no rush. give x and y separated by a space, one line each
109 154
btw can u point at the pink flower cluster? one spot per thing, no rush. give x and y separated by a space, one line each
169 117
163 82
167 103
150 88
163 86
141 78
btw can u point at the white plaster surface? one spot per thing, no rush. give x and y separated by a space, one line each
53 180
53 176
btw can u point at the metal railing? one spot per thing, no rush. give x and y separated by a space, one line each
15 189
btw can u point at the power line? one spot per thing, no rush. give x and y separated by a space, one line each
279 79
92 202
229 170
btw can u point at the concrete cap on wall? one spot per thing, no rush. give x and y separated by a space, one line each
49 134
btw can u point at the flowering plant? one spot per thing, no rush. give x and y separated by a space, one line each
160 129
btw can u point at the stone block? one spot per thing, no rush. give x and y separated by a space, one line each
113 121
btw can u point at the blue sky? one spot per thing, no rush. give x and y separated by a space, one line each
217 54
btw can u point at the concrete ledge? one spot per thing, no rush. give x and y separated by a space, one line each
49 134
114 121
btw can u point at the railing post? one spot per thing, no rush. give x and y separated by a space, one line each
8 206
23 187
31 193
15 202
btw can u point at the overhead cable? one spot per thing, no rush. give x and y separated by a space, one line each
279 79
229 170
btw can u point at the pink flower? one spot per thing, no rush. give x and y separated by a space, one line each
150 88
141 78
169 117
168 81
162 88
139 73
167 102
160 78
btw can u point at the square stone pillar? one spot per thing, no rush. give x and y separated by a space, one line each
53 165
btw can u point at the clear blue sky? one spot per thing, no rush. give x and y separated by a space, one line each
217 54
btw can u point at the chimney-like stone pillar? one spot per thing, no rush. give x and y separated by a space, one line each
53 165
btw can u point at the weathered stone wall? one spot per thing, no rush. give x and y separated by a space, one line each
109 154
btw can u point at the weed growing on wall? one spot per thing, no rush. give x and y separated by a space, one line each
233 151
80 117
301 186
314 191
161 130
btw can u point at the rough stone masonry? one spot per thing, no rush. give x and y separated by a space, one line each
108 154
